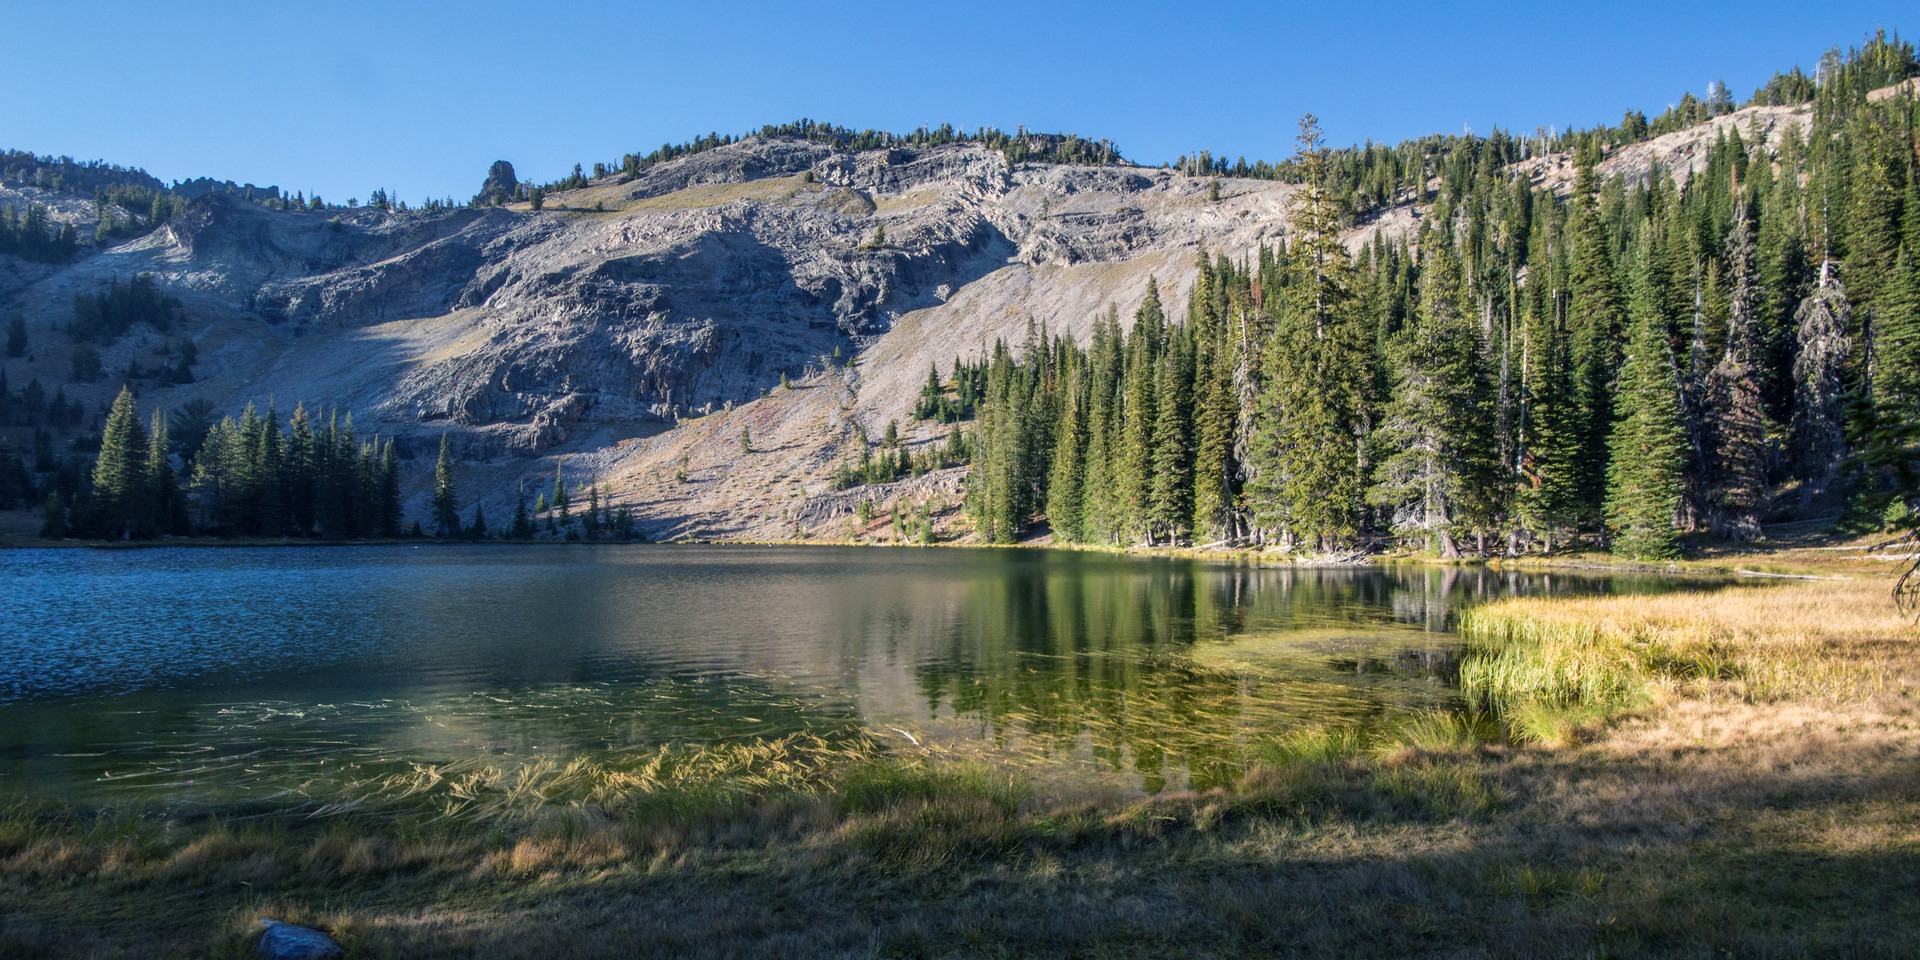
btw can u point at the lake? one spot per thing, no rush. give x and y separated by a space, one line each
259 675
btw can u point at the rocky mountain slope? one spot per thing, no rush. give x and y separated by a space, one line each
629 331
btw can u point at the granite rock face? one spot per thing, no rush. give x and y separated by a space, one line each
630 308
692 287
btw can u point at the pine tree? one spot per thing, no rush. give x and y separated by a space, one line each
1819 439
1439 461
1593 319
1896 380
1310 421
1100 510
53 517
122 500
1169 487
1133 458
1065 507
269 457
522 528
1736 428
303 475
389 525
1782 271
1647 453
163 493
1549 451
446 506
590 522
1880 155
1214 416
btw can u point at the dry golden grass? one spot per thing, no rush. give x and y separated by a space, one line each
1549 665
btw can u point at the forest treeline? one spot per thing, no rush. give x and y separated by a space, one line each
253 476
249 476
1637 360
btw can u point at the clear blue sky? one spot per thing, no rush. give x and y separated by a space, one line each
420 98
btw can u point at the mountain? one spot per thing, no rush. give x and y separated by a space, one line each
633 323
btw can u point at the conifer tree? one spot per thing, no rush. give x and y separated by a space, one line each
1880 155
53 517
522 528
1215 416
304 460
122 504
446 506
1736 429
163 491
1593 314
1550 446
270 469
1647 453
1437 431
1133 460
999 496
1819 441
1169 487
1782 268
389 491
1100 511
591 521
1065 511
1309 426
1896 380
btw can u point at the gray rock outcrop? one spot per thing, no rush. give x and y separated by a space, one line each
500 184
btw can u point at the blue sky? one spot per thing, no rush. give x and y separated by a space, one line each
419 98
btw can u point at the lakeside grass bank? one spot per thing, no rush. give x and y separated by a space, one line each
1724 770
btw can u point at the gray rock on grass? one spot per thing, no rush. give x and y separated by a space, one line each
285 941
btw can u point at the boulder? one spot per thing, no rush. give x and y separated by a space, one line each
284 941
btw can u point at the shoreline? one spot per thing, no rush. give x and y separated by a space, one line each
1796 560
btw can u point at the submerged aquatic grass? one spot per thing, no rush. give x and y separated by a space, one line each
674 779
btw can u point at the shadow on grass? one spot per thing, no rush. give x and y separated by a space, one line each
1453 852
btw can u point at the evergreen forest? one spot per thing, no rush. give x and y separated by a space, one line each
1642 358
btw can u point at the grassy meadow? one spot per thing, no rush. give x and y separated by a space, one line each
1722 771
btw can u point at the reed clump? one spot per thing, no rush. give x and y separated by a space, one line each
1549 667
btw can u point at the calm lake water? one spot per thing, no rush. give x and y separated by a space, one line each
223 675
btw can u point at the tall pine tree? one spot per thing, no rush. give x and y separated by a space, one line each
446 504
1648 446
